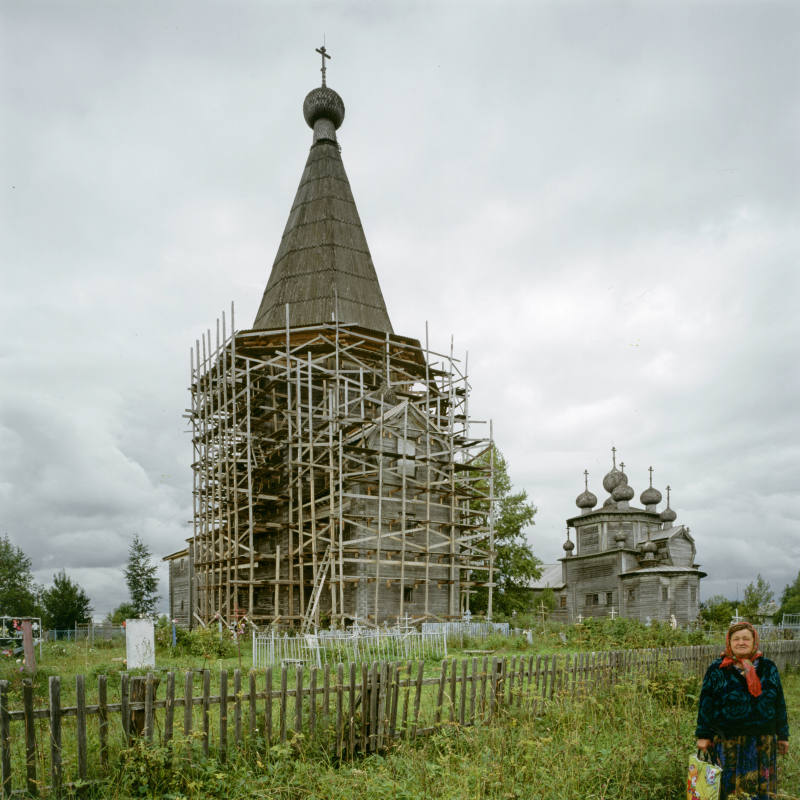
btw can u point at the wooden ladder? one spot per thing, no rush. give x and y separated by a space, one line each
317 593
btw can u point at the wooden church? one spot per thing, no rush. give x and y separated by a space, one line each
337 474
625 561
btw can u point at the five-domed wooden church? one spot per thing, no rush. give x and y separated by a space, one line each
625 561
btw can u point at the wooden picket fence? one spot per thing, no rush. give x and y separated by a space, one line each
348 710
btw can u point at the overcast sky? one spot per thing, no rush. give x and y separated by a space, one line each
598 200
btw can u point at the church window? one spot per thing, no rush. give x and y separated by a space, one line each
563 601
693 594
631 594
408 594
609 598
664 593
592 600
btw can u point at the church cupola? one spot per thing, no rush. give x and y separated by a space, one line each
622 493
323 109
569 545
586 501
650 497
614 477
668 516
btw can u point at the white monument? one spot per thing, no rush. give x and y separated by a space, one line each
140 643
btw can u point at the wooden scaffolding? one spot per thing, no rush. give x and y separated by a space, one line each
337 477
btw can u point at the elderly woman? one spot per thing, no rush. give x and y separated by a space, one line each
742 721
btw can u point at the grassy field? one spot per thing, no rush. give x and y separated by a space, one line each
619 744
623 742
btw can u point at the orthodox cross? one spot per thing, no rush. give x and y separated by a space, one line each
580 618
650 470
622 465
543 611
324 53
585 481
614 456
668 488
613 613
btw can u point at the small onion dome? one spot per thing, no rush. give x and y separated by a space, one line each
586 500
569 546
623 492
323 103
610 503
613 479
650 497
620 536
649 547
668 515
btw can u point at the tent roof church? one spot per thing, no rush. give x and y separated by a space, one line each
328 451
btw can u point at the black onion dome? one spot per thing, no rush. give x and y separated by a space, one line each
623 492
323 103
613 479
586 500
569 546
650 497
668 515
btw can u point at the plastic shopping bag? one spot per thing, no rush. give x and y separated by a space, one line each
705 778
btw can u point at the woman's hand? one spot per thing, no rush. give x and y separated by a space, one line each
705 744
783 747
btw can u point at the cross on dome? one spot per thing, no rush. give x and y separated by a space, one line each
324 54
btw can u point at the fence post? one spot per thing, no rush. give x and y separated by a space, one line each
80 703
30 737
102 710
223 715
125 706
55 735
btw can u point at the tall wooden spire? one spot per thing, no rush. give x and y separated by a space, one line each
323 268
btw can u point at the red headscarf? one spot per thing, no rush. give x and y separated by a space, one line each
744 665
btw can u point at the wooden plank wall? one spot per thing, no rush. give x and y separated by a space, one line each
351 709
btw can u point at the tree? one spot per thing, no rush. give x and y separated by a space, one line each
758 596
790 600
140 575
717 610
122 612
515 564
18 592
64 603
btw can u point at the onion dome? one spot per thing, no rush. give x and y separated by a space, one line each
649 548
620 537
610 503
586 500
623 492
323 109
569 545
668 515
615 476
650 496
323 103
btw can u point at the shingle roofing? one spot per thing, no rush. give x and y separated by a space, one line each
323 259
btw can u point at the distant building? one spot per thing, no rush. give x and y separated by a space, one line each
625 561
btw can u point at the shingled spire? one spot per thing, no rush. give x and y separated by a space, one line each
323 268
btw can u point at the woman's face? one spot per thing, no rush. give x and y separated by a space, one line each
742 643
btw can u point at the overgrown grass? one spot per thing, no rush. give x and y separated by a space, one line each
622 743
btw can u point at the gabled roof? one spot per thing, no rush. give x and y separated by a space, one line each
323 267
551 578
